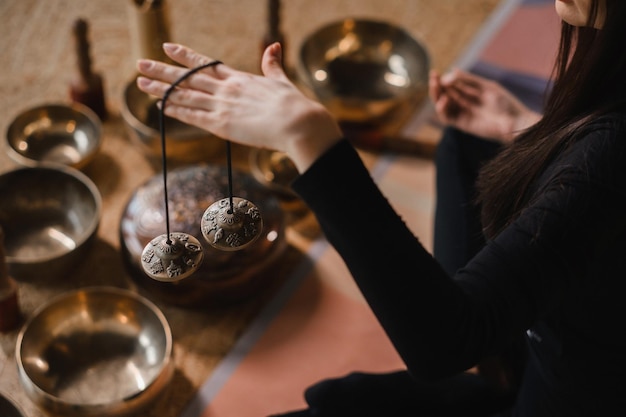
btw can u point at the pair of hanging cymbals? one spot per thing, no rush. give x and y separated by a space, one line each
227 225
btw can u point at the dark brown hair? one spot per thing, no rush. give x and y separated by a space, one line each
589 80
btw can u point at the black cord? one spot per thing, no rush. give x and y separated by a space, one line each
230 177
163 153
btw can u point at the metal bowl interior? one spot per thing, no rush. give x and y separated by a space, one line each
96 351
49 214
59 133
8 407
185 143
363 70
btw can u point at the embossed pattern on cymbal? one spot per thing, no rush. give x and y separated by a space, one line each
172 259
231 228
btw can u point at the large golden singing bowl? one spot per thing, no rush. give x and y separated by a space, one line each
98 351
50 216
364 71
69 134
184 143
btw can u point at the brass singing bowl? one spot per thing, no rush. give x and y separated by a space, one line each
68 134
50 216
365 71
98 351
185 143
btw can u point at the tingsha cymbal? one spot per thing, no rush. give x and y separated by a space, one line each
231 227
172 259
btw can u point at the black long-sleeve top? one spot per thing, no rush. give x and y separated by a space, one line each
557 274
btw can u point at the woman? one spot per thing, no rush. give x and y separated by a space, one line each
553 207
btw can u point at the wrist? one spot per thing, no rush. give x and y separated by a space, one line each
525 120
312 137
519 124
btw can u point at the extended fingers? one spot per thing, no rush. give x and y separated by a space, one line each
198 117
180 96
203 80
191 59
152 87
170 74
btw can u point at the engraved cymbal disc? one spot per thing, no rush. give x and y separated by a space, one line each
173 259
231 229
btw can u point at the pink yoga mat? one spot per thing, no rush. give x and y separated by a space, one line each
324 330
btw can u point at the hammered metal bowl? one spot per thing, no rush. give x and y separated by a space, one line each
185 143
366 72
50 215
98 351
69 134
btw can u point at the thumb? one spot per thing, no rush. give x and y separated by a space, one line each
272 62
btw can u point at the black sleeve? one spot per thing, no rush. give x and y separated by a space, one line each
442 325
419 306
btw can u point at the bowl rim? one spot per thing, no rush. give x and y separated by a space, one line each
79 108
76 174
34 390
127 114
132 121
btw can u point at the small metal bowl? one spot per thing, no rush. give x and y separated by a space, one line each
50 215
365 71
184 143
9 408
60 133
99 351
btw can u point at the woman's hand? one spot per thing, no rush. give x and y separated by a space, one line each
261 111
479 106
